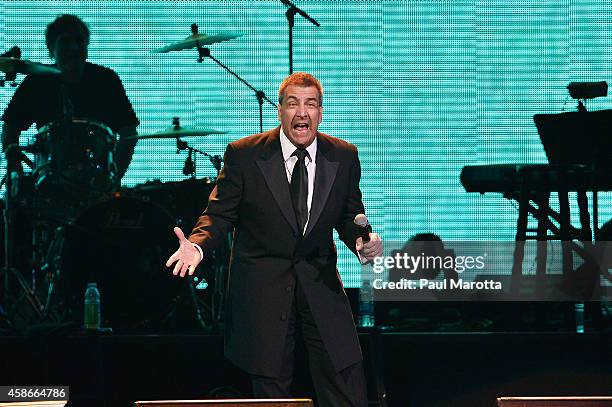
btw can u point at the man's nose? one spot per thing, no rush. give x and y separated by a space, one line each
302 111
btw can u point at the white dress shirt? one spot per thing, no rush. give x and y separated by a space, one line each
311 166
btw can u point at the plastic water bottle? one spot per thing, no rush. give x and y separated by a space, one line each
366 305
579 312
92 307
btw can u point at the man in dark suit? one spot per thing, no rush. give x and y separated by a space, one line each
283 192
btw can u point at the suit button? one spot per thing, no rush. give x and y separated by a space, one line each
289 289
283 317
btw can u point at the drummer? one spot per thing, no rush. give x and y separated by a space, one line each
83 90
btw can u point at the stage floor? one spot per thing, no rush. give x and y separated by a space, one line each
418 369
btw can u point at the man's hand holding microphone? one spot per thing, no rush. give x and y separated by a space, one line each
369 244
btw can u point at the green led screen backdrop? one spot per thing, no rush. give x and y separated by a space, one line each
423 88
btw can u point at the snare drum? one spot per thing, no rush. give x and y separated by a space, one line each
74 156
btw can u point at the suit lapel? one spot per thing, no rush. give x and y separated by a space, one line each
324 179
273 169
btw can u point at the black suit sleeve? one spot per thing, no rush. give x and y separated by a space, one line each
221 214
347 230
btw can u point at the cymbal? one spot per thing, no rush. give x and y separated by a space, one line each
176 132
194 39
14 65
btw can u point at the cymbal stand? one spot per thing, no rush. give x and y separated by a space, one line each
259 94
216 308
292 10
190 163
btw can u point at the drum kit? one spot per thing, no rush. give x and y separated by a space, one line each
69 222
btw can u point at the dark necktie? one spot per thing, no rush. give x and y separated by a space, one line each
299 188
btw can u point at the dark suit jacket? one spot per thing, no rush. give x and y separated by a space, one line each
252 196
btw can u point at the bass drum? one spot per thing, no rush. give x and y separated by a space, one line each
121 244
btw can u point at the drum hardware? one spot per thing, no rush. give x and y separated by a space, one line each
11 273
68 174
292 10
74 159
185 200
14 153
193 41
189 169
196 306
107 229
61 225
176 131
120 243
52 265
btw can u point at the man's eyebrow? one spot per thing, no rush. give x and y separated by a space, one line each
307 99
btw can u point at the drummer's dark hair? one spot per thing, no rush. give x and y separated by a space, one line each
65 23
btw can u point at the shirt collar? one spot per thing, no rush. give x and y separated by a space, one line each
288 148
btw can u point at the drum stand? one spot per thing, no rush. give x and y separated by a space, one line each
189 168
45 254
10 271
220 256
51 266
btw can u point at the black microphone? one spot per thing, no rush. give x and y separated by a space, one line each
364 227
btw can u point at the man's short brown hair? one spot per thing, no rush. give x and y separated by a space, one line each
301 79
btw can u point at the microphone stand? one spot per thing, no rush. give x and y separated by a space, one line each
259 94
292 10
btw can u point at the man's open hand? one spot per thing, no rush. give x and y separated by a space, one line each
187 257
